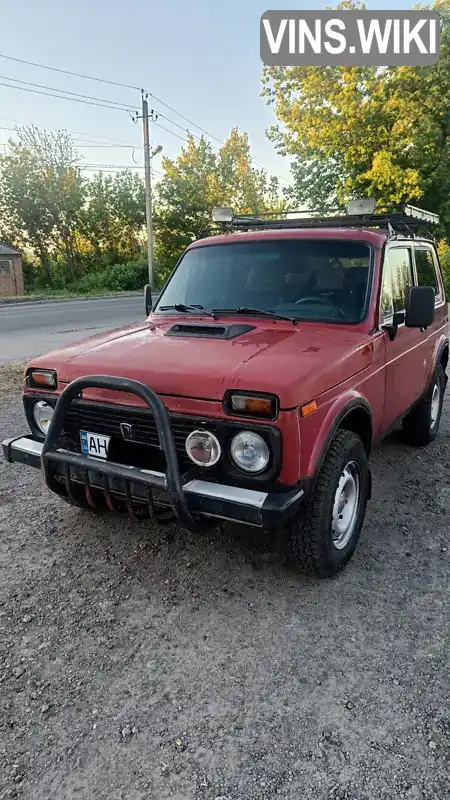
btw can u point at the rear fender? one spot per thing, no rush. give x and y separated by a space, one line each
440 347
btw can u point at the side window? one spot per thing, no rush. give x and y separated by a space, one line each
426 270
397 281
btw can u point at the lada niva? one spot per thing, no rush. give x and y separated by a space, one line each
275 356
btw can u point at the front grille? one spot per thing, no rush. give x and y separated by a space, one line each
106 420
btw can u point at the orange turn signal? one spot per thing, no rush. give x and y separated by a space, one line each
42 379
251 405
308 408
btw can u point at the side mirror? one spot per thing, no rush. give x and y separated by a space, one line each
148 299
420 311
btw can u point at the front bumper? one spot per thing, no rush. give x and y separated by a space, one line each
84 479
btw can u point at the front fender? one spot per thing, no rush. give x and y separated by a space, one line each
327 419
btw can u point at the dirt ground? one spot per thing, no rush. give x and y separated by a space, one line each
139 663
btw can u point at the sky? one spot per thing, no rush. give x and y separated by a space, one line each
200 57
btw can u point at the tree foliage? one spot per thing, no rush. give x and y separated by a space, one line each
201 178
113 216
41 195
77 229
382 132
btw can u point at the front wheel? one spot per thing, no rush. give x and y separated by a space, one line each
421 426
323 541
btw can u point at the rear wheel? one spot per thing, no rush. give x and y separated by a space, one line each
324 539
421 426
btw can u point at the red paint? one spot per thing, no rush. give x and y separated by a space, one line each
332 364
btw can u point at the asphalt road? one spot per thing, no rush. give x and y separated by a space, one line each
31 329
146 663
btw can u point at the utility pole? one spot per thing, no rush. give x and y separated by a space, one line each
148 189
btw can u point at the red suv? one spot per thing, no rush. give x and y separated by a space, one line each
275 356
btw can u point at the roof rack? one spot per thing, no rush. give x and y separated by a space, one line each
405 221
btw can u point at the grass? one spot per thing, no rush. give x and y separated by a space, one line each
62 295
11 377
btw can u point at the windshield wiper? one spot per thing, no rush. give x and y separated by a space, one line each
188 309
248 310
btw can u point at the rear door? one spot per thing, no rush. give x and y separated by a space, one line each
405 352
427 273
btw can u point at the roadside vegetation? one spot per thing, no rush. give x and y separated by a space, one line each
349 131
86 235
11 377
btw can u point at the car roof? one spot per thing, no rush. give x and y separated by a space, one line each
376 238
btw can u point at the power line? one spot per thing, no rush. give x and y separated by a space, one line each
174 111
114 167
172 122
122 106
100 144
135 88
177 135
62 97
67 72
79 143
116 143
74 133
111 83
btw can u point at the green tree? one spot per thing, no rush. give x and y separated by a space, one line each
42 193
113 217
383 132
199 179
24 217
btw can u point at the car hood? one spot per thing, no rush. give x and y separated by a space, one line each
296 362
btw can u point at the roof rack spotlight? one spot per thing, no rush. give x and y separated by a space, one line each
365 205
222 214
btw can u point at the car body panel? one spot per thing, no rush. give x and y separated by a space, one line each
296 362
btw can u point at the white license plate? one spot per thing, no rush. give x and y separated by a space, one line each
92 444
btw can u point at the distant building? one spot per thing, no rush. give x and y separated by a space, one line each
11 277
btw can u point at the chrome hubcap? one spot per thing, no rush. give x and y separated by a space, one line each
345 506
435 405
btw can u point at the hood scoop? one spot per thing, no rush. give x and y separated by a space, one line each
202 331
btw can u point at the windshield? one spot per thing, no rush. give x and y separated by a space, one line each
322 280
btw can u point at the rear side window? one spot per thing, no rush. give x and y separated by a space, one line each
397 280
426 270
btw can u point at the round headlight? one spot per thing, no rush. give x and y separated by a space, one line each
249 451
203 448
42 414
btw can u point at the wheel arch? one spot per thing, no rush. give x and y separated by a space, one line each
443 355
359 420
348 413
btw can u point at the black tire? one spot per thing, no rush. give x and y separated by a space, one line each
421 426
311 538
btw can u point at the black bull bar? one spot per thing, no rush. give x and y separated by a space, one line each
190 497
51 455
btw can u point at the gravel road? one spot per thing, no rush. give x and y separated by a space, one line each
139 663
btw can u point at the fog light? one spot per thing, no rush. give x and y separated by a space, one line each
249 451
203 448
42 414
